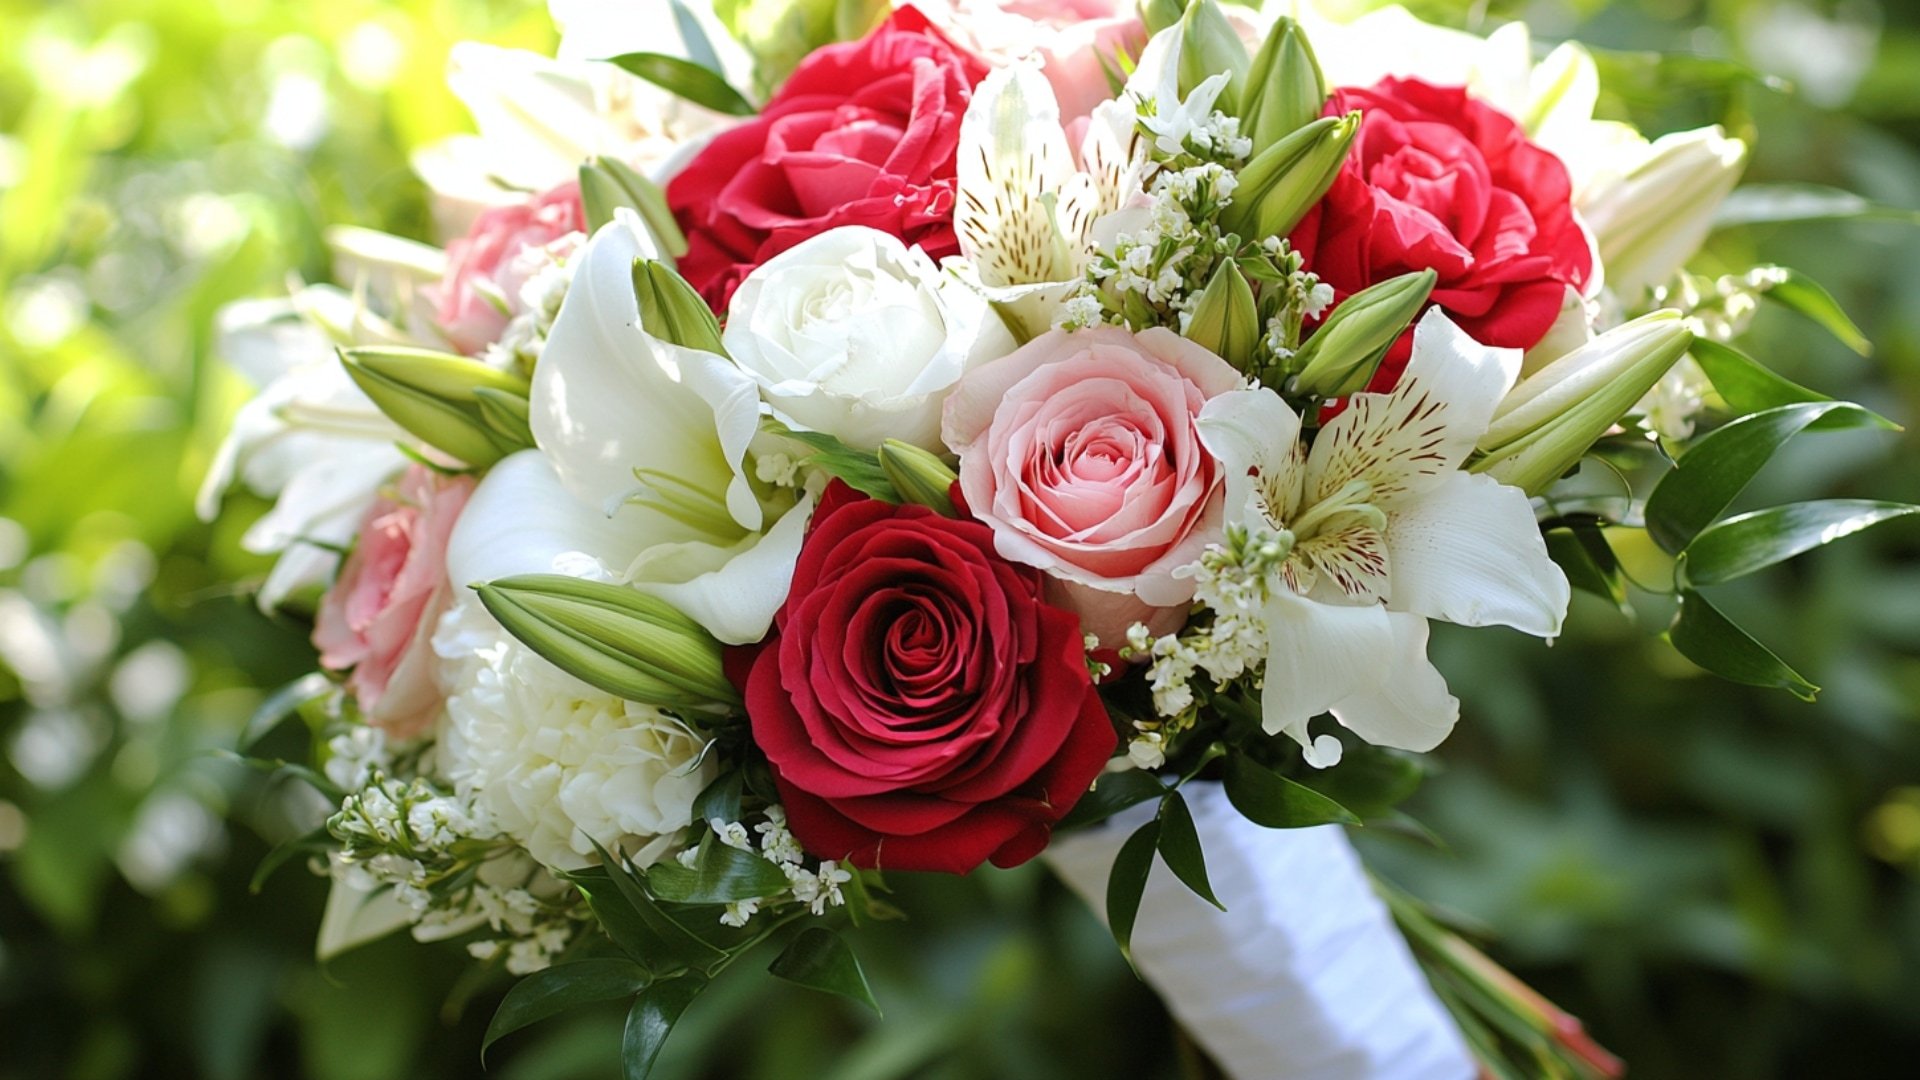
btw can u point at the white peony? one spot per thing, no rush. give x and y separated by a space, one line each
554 763
855 334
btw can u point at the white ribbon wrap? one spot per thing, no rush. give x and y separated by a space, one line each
1303 977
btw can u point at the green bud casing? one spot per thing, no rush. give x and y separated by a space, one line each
607 184
1549 422
1285 180
1160 14
1285 89
671 311
436 398
1226 320
613 637
919 476
1209 45
1342 355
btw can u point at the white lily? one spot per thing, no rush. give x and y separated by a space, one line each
1026 208
539 117
1387 532
310 440
655 436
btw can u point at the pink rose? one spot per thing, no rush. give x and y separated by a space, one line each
377 621
1080 451
1070 38
487 267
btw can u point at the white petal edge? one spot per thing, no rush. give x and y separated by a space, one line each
521 520
733 592
1468 551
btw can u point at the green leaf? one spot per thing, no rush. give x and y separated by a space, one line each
651 1020
1773 204
316 842
1804 295
1711 640
1266 798
1110 794
686 79
617 917
719 875
561 987
1589 563
676 941
1744 383
820 959
1370 781
861 471
1127 883
720 799
1741 545
1712 473
280 705
1180 847
694 37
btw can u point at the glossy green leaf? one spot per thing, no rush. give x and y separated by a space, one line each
561 987
1584 556
685 79
1127 883
676 941
1110 794
720 799
1266 798
719 875
1773 204
1370 780
820 959
1804 295
1744 383
617 917
1711 640
317 842
282 705
1712 473
651 1020
1741 545
1180 847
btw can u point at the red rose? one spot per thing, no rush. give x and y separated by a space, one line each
1438 179
863 133
922 707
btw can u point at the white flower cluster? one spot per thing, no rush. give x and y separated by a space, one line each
556 764
548 272
1717 309
356 755
1153 273
817 889
440 859
1231 583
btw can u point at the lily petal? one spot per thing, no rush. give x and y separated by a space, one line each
1410 437
522 520
1364 664
1468 551
611 401
733 592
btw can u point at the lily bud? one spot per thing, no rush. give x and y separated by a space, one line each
608 184
1342 355
1285 89
1226 321
612 637
436 398
509 415
1210 45
1285 180
919 476
1648 223
1548 422
671 311
1160 14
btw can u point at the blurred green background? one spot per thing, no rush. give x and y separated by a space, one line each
1721 882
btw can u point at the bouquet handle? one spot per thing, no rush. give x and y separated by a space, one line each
1303 977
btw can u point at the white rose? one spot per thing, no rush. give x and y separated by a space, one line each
854 334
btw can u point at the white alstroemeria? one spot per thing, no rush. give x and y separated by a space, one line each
1387 532
1026 208
855 334
310 439
656 436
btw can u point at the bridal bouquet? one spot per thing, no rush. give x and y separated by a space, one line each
839 442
